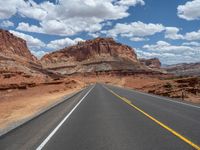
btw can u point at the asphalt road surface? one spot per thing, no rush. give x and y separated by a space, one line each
104 117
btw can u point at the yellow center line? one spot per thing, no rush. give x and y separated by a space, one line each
157 121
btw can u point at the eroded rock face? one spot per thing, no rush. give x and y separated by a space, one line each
100 47
17 64
100 54
184 69
12 45
15 55
152 63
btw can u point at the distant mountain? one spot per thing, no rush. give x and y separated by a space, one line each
184 69
97 56
100 55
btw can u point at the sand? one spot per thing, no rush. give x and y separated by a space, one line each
19 104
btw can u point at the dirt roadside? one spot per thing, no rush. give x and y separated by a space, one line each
18 104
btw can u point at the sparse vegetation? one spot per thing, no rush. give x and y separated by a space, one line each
168 85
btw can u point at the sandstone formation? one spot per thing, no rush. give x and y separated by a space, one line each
15 57
101 55
152 63
184 69
12 45
17 64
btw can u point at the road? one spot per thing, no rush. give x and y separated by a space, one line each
104 117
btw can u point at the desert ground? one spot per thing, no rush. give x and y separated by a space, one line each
23 102
186 89
22 98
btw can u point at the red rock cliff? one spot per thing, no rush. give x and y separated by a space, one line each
12 45
100 47
100 54
152 63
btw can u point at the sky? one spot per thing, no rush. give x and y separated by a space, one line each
166 29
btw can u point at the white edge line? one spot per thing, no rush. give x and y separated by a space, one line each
166 99
174 101
61 123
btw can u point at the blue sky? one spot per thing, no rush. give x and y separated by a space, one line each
169 30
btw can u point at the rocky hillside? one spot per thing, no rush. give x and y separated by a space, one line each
15 55
184 69
152 63
99 48
12 45
101 55
17 64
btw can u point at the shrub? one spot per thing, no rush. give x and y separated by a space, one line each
168 85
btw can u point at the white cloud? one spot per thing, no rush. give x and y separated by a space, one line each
171 54
130 2
168 58
190 10
108 23
30 28
7 23
162 46
28 9
138 39
94 34
33 43
70 17
24 8
135 29
147 54
61 43
195 35
191 44
32 10
9 8
172 33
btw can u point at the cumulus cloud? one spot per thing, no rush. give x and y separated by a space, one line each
191 44
32 10
7 23
138 39
67 17
10 8
61 43
190 10
94 34
195 35
162 46
24 8
171 54
135 29
130 2
172 33
29 28
32 42
168 58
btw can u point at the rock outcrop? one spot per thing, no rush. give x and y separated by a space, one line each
17 64
184 69
152 63
101 55
99 48
12 45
